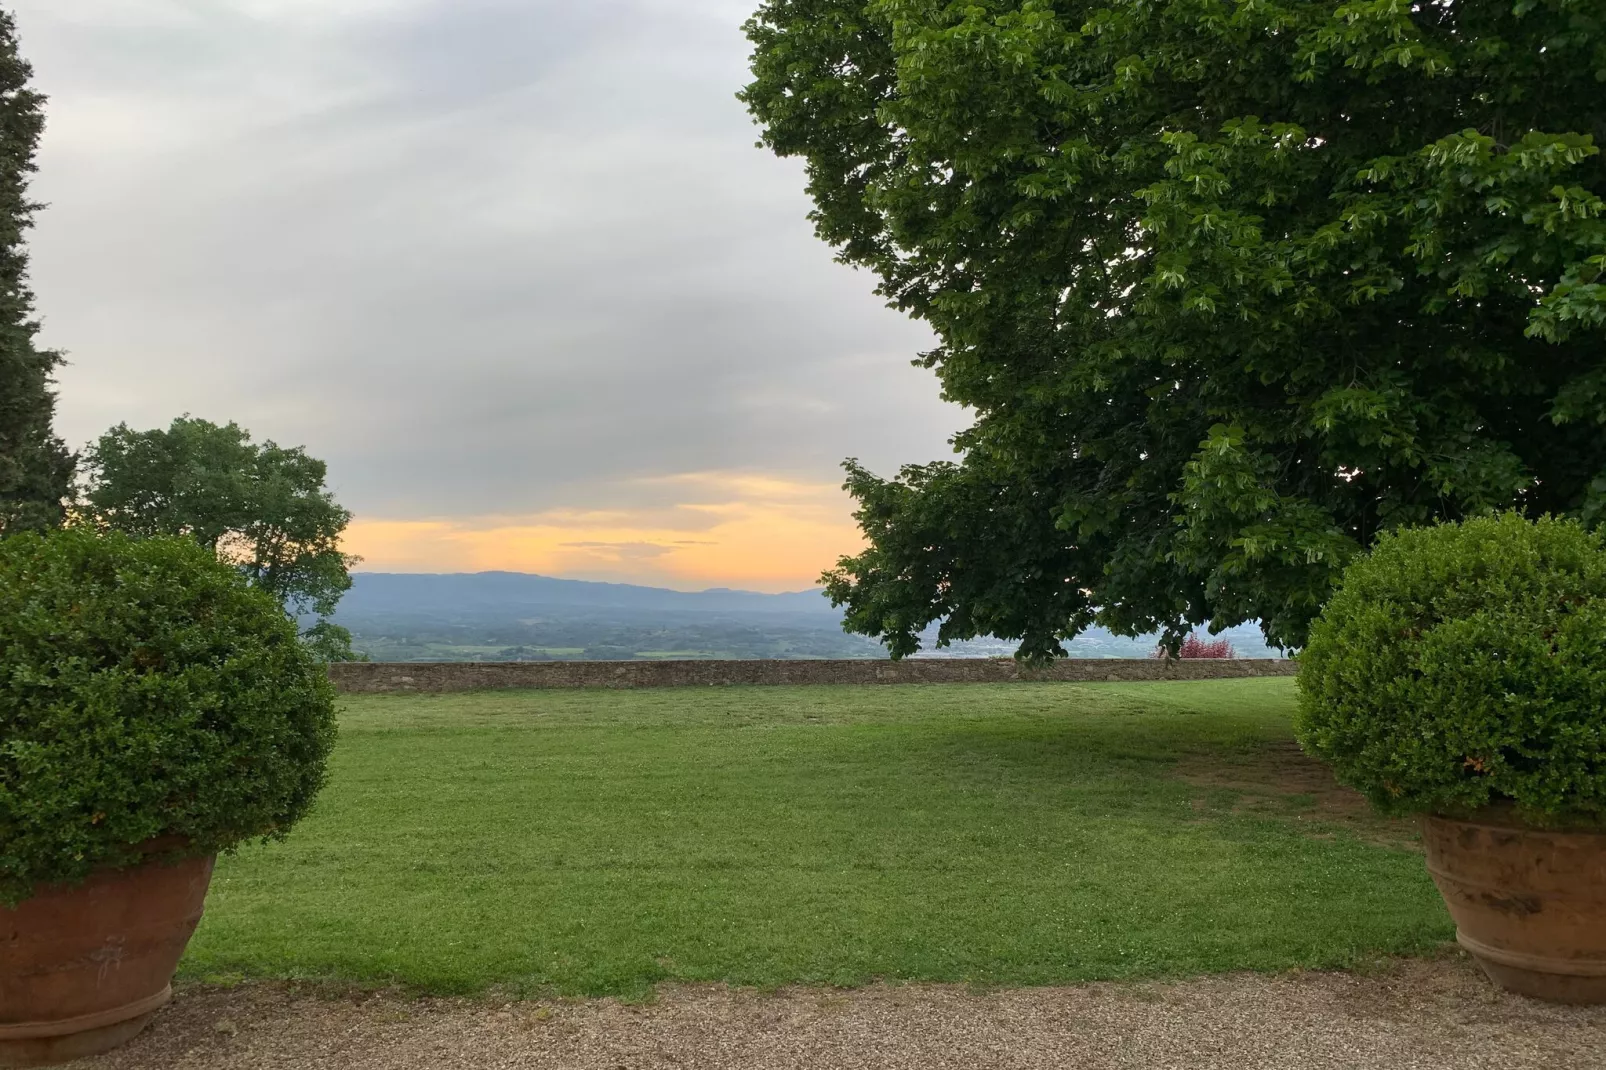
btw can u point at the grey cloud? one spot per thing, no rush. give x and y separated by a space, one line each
484 257
460 54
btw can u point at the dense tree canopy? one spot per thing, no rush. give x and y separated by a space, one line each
261 507
1231 286
35 468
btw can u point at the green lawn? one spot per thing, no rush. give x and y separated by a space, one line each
599 841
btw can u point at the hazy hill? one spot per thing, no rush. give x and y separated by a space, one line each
475 593
512 616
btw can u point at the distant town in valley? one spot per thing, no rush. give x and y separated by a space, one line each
511 616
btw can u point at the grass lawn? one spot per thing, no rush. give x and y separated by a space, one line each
591 842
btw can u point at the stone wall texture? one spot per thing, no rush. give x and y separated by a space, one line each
379 676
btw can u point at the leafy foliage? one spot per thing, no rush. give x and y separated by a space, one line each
35 468
1231 286
1464 665
146 690
261 507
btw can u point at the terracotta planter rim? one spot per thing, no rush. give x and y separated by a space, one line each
1505 818
171 848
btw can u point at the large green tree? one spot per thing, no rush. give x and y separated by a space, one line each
259 506
1231 286
35 468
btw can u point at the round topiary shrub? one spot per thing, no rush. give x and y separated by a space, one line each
147 692
1463 666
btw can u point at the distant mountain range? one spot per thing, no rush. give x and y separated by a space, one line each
478 592
509 616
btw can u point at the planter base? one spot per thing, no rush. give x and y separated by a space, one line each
84 967
48 1051
1528 903
1538 980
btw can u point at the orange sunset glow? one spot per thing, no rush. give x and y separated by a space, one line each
720 530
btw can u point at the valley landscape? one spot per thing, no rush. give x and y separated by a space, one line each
511 616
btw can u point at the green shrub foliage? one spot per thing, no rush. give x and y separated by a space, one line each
1464 665
146 691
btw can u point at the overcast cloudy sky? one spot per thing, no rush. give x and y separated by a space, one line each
514 268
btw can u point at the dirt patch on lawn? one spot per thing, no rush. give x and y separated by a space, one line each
1280 780
1437 1014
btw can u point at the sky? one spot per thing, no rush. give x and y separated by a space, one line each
514 268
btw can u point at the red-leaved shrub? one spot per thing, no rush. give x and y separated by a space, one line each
1197 646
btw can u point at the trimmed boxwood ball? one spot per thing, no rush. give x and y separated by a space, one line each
1463 666
147 692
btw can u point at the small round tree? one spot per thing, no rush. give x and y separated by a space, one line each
150 699
1464 665
259 506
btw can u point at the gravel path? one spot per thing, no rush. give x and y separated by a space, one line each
1438 1015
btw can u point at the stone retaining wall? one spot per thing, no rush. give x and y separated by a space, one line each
382 676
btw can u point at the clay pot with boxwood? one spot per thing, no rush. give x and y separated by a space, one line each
1459 674
155 710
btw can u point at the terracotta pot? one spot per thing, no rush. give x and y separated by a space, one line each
1529 904
84 968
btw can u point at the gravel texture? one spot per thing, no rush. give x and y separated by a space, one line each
1436 1015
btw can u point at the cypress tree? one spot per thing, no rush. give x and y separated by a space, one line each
35 467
